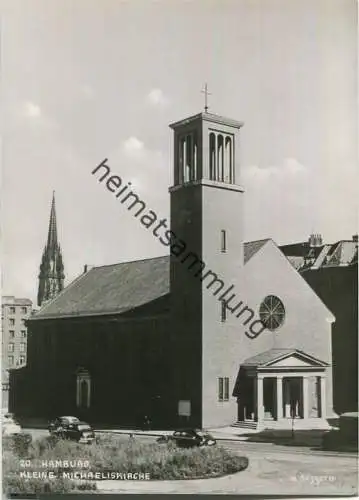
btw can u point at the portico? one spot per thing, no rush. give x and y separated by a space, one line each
280 386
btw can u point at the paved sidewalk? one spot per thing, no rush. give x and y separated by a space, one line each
288 474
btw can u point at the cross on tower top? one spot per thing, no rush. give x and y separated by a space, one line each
206 94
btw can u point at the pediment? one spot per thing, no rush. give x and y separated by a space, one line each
294 361
285 358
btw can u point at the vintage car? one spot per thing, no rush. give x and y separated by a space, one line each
9 425
188 438
71 428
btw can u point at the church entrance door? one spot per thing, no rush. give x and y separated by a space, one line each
269 398
293 397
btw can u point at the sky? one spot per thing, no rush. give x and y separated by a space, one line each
84 80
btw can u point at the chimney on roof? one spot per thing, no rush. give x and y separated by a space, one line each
355 238
85 268
315 240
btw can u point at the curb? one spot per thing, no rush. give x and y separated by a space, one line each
109 431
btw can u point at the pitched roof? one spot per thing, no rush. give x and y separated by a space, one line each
111 289
268 357
252 247
303 256
114 289
343 253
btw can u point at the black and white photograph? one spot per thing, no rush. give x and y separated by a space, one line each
179 258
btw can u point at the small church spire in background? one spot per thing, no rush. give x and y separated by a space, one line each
206 94
51 276
52 234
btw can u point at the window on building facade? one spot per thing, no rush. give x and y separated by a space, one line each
11 334
22 360
220 389
24 310
23 333
272 312
11 322
223 241
22 347
10 360
10 347
226 389
223 311
223 389
12 310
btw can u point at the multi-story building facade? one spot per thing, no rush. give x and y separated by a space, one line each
14 313
331 269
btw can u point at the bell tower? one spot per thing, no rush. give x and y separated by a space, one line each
206 219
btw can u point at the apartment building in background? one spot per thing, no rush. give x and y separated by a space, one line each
14 313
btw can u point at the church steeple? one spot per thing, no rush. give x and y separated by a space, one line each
52 234
51 276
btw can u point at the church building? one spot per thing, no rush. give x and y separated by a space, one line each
219 332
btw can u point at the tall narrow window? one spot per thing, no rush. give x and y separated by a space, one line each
223 311
226 389
220 389
223 389
223 241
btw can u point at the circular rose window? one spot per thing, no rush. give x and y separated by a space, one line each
272 312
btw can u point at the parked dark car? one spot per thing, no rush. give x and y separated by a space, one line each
71 428
188 438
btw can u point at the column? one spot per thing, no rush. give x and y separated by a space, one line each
305 397
323 409
279 397
260 407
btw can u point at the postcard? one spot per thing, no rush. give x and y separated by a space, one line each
180 256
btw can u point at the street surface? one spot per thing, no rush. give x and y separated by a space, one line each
273 469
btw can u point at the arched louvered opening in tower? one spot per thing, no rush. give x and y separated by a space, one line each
181 158
220 158
212 156
228 161
188 166
187 158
